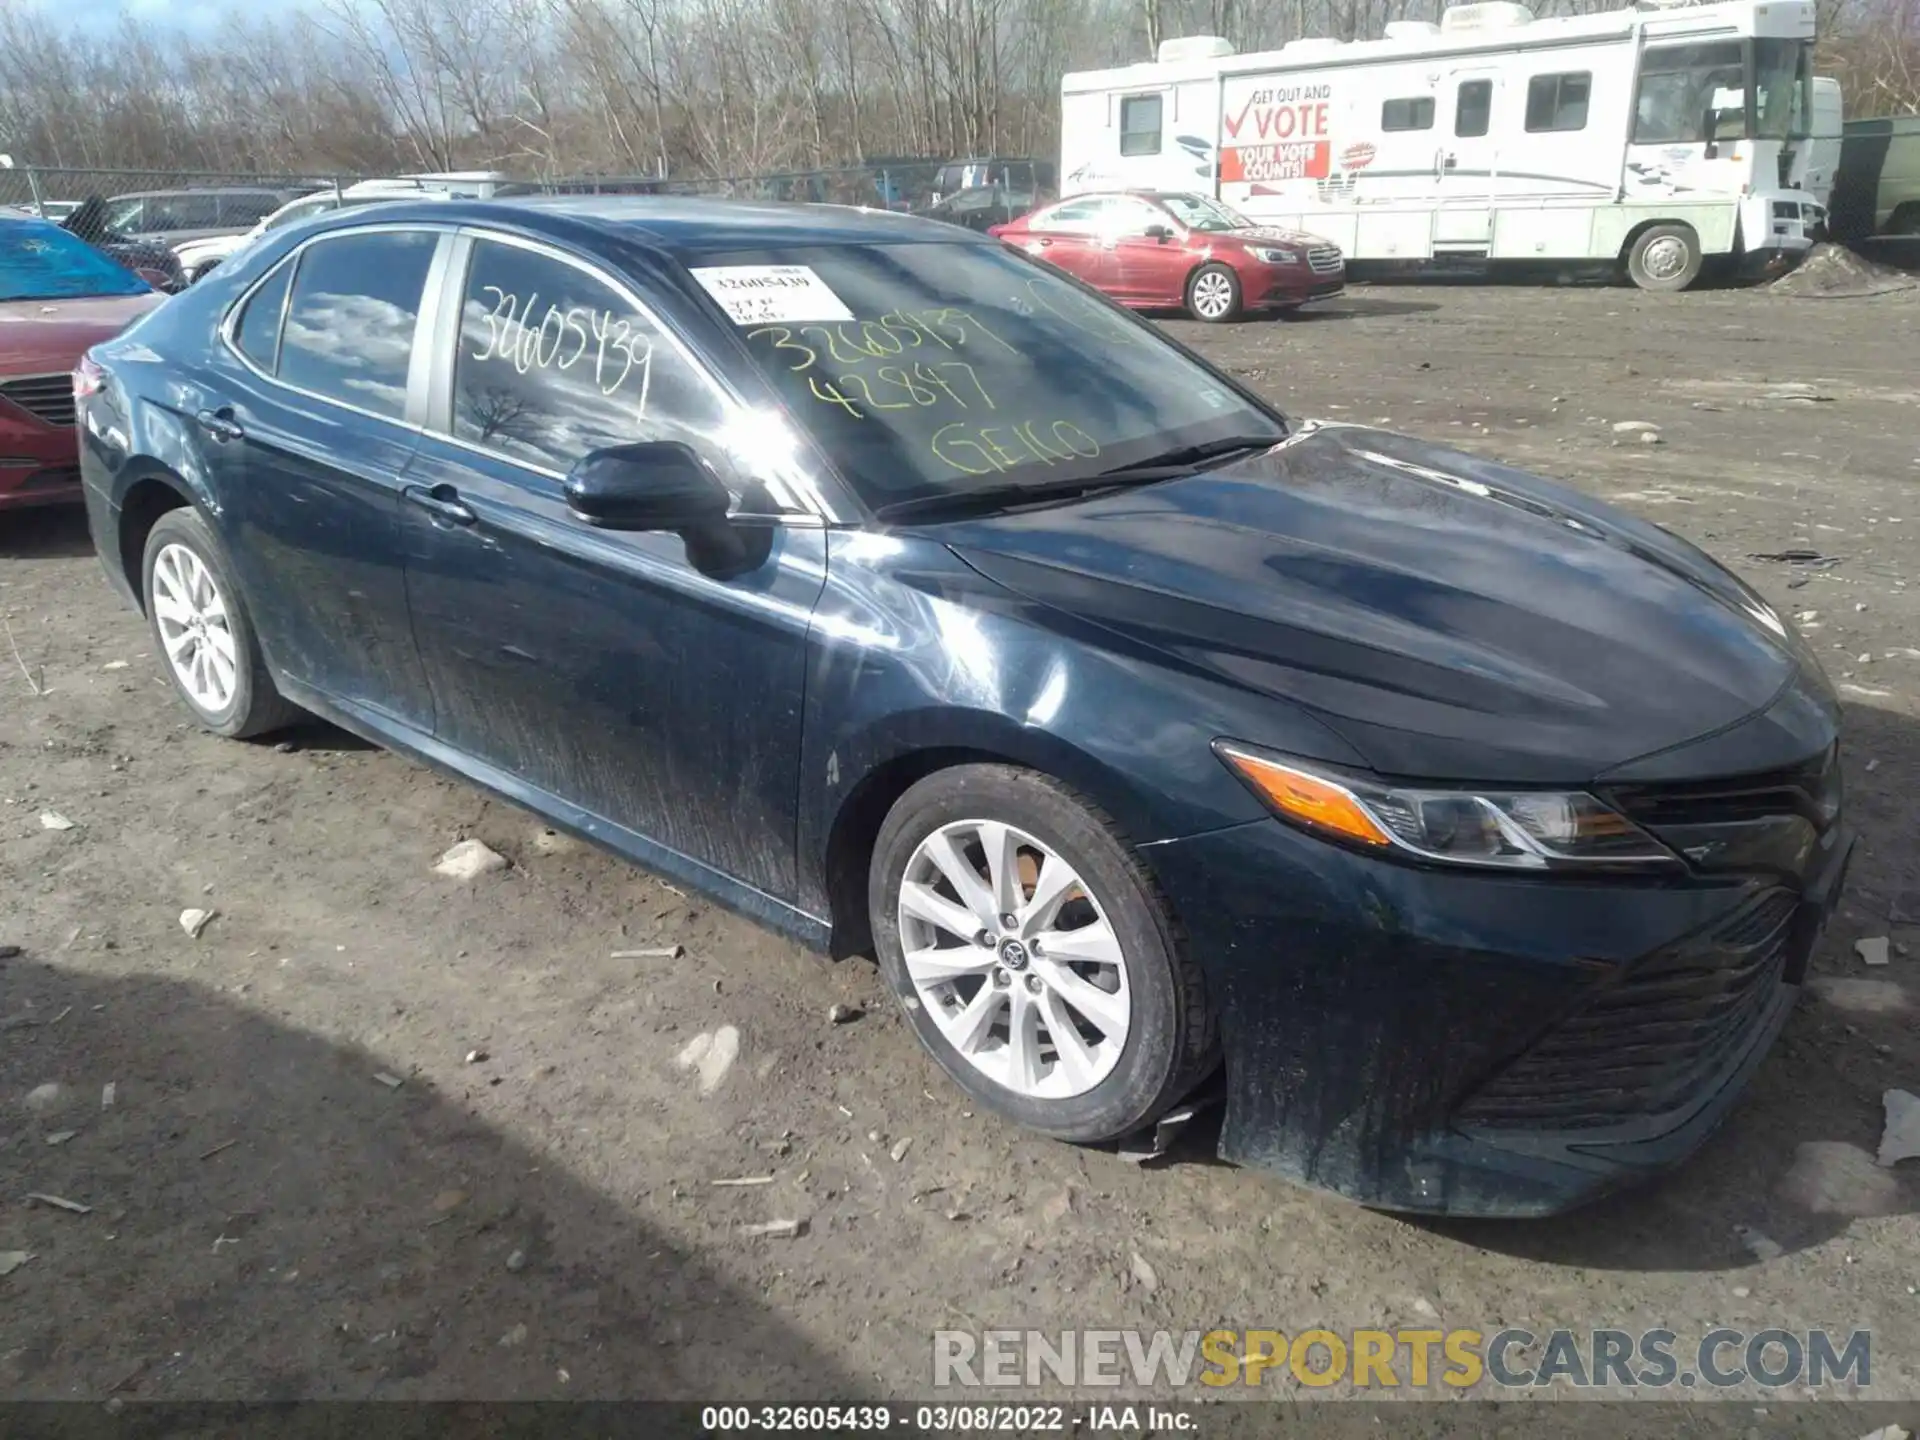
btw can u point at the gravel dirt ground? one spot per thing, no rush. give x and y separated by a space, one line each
380 1134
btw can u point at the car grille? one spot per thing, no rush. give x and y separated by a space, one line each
46 397
1651 1042
1325 259
1811 791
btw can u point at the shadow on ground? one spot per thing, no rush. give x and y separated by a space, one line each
270 1220
1360 307
45 532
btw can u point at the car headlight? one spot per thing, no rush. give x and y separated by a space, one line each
1274 255
1508 829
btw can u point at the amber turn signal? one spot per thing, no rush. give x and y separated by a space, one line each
1306 798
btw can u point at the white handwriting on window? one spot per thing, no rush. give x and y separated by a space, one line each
563 339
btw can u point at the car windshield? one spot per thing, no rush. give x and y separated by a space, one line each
937 369
1783 83
125 216
1198 212
40 261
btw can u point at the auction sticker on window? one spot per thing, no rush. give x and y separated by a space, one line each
771 294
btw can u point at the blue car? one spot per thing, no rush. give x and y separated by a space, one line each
903 594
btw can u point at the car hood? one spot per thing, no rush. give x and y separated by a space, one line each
1274 235
42 336
1449 617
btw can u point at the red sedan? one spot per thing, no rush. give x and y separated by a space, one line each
58 296
1161 250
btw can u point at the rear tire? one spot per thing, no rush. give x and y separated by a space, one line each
1213 294
1084 1019
205 636
1665 258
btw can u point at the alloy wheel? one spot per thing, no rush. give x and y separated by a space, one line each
1213 295
191 615
1014 959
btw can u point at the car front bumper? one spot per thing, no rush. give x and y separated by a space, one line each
1274 287
38 463
1469 1043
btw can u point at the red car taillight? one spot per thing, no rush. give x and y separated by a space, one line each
88 378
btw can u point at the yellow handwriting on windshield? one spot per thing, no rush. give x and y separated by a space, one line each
989 449
1091 318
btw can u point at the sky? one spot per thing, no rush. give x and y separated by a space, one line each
192 16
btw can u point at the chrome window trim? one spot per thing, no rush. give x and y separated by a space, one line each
229 322
469 235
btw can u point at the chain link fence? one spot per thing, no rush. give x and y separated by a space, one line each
897 184
193 198
166 224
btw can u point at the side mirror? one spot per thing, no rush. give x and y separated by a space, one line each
654 485
1160 233
665 485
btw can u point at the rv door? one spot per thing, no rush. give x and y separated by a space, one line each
1469 161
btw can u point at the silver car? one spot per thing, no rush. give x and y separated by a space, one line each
171 216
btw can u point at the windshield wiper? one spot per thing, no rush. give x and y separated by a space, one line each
1188 459
951 504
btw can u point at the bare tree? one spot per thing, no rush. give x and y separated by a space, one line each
688 88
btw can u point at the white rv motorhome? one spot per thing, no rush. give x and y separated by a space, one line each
1823 146
1657 136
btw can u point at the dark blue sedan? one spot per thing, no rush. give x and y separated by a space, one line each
905 595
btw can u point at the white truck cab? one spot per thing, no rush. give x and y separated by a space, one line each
1658 136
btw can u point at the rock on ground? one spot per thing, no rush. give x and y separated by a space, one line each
469 860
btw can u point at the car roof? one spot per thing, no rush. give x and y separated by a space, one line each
681 224
198 190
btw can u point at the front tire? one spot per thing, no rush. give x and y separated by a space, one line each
1213 294
1665 258
206 638
1034 956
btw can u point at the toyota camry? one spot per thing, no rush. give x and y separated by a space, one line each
905 595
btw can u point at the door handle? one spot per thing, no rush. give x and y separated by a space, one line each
442 502
1450 161
1044 242
220 424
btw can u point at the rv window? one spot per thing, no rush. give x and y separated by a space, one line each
1140 125
1414 114
1677 85
1473 108
1558 102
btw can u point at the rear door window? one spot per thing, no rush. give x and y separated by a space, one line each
257 336
181 212
351 318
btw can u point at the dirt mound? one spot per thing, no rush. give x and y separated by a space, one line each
1832 272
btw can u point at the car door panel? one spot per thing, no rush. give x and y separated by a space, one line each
600 666
310 485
